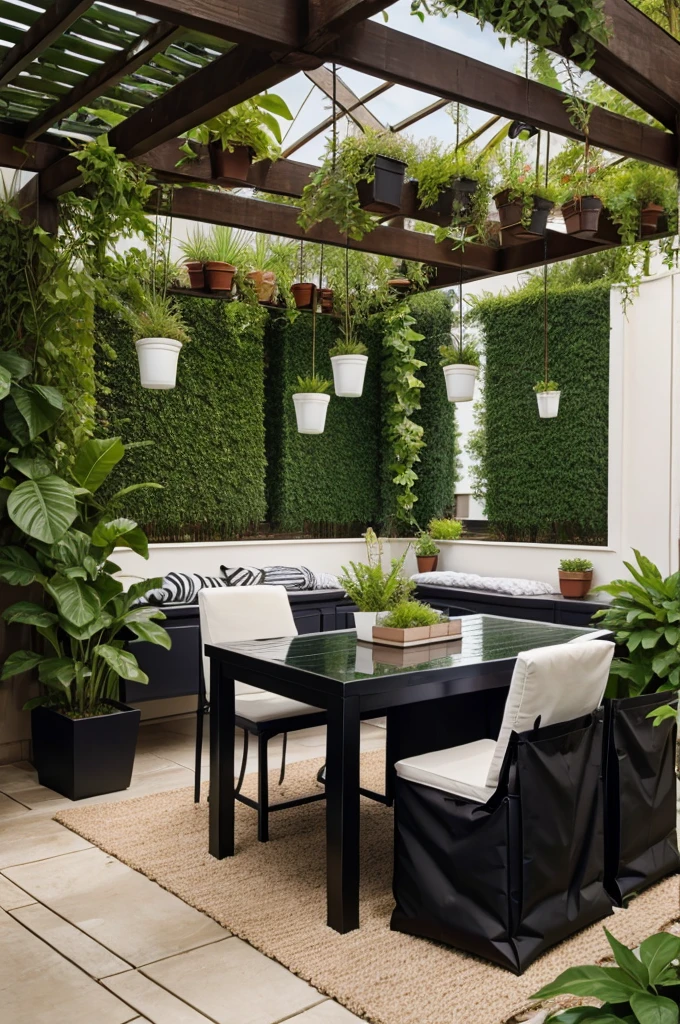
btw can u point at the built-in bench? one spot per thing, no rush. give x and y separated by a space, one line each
543 608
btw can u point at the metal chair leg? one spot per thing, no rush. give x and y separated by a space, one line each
200 712
244 759
283 758
262 789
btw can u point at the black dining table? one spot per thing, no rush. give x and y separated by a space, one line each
352 680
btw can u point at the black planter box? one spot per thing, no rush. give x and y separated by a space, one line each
640 795
383 194
81 757
452 205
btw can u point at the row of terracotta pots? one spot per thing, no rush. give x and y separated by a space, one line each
581 216
308 296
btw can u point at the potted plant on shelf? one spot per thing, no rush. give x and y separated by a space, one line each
410 623
304 294
576 577
158 332
196 252
427 552
637 195
270 259
461 366
445 529
548 398
579 178
373 589
523 204
247 132
63 536
364 175
451 185
311 404
640 722
228 252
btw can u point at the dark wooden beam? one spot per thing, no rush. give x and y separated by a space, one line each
112 71
28 156
37 209
45 29
348 102
560 246
378 50
272 218
259 23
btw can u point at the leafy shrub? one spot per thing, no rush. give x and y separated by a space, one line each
445 529
312 385
407 614
576 565
541 386
425 546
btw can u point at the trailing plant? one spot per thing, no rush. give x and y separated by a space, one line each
157 316
631 991
405 437
252 123
576 565
60 537
313 385
425 546
351 347
541 386
519 177
575 172
445 529
372 588
631 186
466 354
435 168
332 190
644 616
409 614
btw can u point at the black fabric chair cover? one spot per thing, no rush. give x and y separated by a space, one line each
640 795
508 879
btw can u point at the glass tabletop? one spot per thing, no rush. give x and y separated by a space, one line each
338 655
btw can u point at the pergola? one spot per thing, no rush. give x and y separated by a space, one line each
193 61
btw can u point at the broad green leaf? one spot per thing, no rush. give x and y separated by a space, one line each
15 422
102 621
38 406
663 713
592 1014
30 613
657 952
275 104
627 961
36 702
59 671
107 587
143 613
123 663
143 587
610 984
43 508
95 460
34 469
660 666
20 661
130 489
152 632
653 1009
5 382
75 600
72 549
121 532
17 566
17 365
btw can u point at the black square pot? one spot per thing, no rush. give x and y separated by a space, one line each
641 843
383 194
452 205
81 757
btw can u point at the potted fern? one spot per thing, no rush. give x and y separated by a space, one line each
548 398
374 589
158 332
311 404
461 366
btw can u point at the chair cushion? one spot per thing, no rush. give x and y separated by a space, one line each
461 770
261 706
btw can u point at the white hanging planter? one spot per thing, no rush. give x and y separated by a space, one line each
348 375
158 362
364 623
310 411
548 404
460 381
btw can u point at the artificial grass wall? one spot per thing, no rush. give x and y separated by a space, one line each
546 480
207 434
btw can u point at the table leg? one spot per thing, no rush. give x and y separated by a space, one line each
222 727
342 815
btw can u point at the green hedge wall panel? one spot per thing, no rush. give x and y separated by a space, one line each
207 434
329 478
547 479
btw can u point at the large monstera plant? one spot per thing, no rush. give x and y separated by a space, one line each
59 536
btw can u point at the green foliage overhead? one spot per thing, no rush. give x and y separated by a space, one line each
547 479
207 434
252 123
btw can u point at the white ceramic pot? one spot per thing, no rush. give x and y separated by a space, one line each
548 404
364 623
460 382
348 375
158 362
310 411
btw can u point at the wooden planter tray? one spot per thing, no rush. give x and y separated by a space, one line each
417 635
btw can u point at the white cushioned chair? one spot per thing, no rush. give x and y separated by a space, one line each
499 843
251 613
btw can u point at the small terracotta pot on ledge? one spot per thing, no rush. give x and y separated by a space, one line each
219 276
575 584
304 294
649 218
196 275
427 563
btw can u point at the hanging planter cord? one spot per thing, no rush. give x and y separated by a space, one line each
460 315
545 275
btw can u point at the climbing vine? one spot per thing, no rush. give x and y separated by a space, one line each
405 437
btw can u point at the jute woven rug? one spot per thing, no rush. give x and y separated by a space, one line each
273 895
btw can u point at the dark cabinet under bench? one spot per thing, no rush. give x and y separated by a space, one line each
541 608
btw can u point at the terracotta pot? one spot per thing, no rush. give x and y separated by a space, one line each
326 299
649 218
575 584
383 194
229 166
510 214
427 563
582 216
452 204
196 274
304 294
219 277
264 283
400 284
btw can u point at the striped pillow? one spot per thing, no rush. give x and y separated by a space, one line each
291 577
180 588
